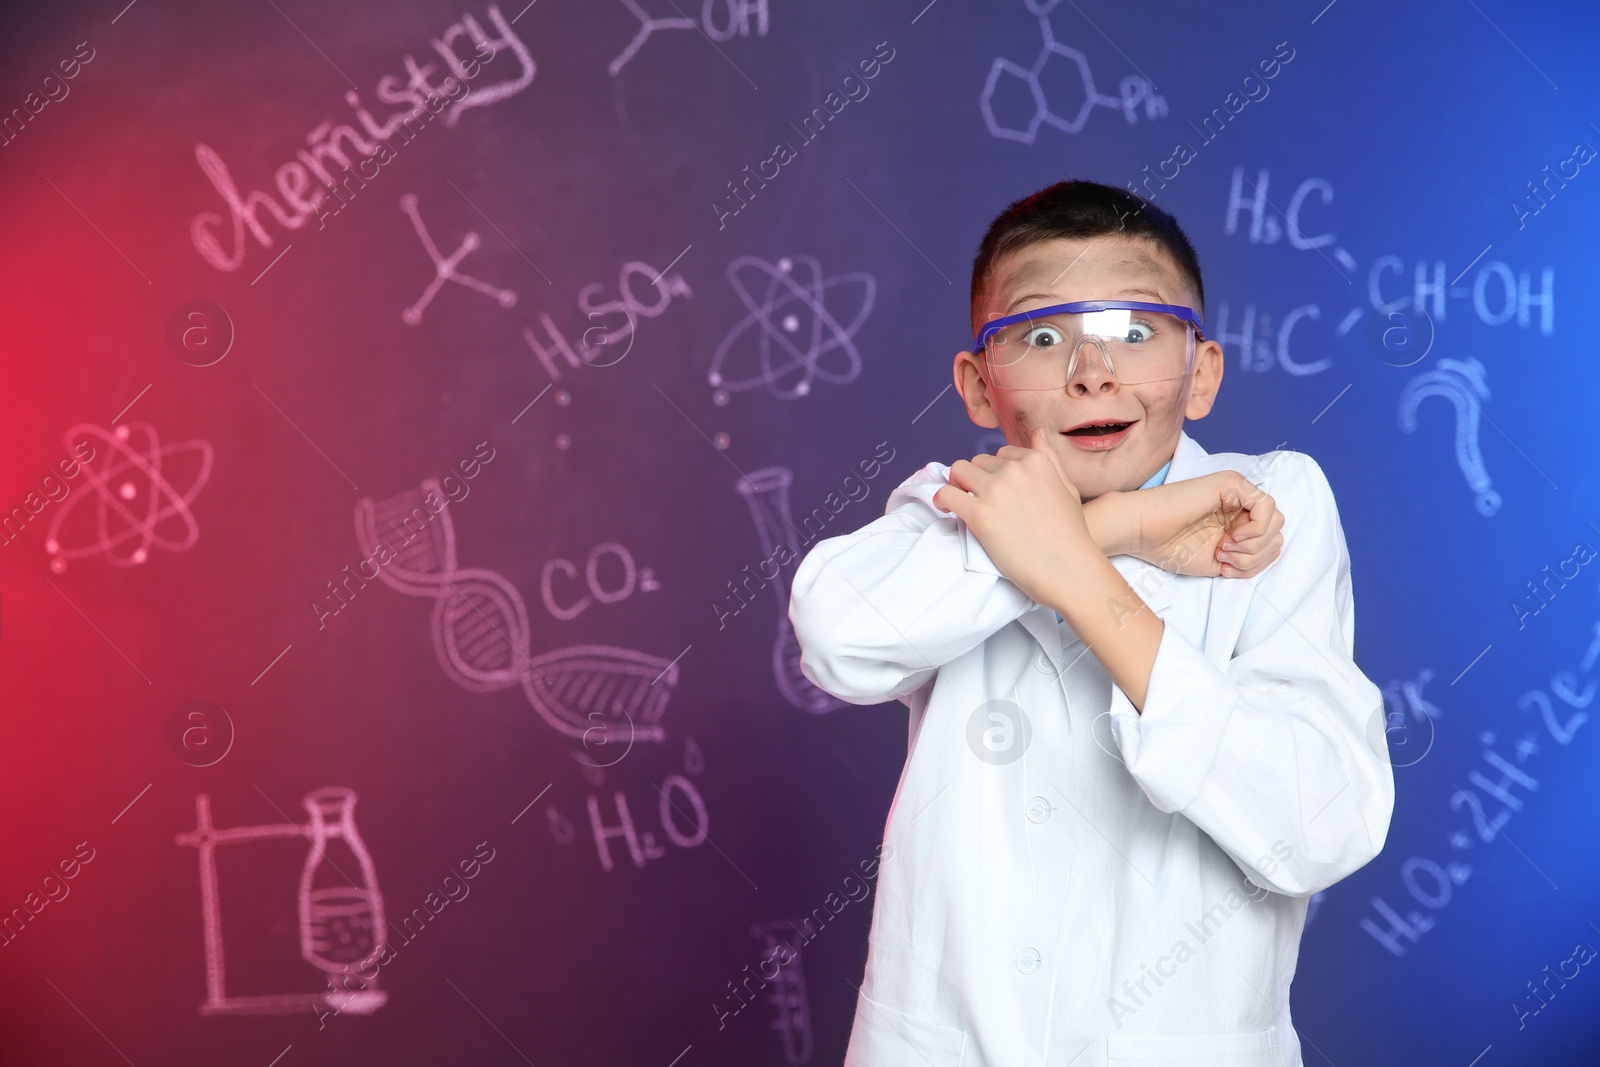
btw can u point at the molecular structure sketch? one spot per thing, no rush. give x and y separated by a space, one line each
481 632
789 329
135 506
444 267
1025 88
737 20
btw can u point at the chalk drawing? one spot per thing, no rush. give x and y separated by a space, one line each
444 267
340 908
766 492
1498 294
1462 383
632 578
642 845
445 45
135 507
598 347
736 21
1131 92
788 329
337 152
788 993
598 694
561 827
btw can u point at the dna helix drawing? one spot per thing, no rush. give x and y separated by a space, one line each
597 694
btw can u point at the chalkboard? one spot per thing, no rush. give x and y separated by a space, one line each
413 413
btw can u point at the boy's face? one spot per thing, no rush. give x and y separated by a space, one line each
1064 270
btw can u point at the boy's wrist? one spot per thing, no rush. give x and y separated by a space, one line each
1079 561
1107 520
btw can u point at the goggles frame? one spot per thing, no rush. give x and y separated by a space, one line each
1186 314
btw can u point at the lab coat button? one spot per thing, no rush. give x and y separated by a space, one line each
1038 809
1028 960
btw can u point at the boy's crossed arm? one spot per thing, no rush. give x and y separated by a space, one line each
1028 515
1279 756
878 611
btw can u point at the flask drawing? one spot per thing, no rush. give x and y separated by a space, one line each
341 911
766 491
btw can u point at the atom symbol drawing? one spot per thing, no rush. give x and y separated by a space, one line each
134 505
789 333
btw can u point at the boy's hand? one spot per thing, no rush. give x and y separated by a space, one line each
1215 525
1025 511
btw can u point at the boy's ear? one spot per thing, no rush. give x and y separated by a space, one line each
1206 380
973 385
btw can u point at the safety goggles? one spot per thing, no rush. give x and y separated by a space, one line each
1138 342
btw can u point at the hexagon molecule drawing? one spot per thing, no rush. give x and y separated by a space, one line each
1059 79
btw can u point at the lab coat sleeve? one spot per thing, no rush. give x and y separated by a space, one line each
877 612
1282 757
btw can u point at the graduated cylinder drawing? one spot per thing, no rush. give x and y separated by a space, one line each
597 694
340 908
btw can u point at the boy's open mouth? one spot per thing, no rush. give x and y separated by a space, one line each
1098 428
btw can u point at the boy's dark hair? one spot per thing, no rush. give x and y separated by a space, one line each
1080 209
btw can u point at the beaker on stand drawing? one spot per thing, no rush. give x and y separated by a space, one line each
766 491
341 910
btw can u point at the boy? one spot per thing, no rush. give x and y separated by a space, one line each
1138 743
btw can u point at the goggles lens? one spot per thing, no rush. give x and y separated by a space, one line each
1044 350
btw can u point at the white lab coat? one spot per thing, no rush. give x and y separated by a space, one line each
1016 899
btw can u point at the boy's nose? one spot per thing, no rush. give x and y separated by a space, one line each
1090 369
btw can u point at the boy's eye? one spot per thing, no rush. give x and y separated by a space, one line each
1043 335
1139 332
1122 326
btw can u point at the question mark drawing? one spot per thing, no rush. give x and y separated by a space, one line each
1456 381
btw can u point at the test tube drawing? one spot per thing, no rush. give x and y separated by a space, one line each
598 694
340 908
788 990
766 491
